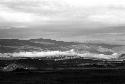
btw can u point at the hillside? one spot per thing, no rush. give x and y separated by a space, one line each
47 47
16 45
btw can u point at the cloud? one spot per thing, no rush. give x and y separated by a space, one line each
12 16
28 14
8 15
86 13
108 16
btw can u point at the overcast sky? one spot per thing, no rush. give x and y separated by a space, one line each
93 16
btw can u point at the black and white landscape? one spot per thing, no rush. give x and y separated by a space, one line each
62 42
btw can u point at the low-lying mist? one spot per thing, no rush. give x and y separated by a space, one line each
60 53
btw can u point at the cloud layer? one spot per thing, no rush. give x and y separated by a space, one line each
83 19
44 12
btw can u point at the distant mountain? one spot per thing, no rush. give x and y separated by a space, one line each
38 45
16 45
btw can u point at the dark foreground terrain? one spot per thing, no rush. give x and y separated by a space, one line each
95 76
72 71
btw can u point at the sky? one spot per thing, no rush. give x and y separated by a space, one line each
76 20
